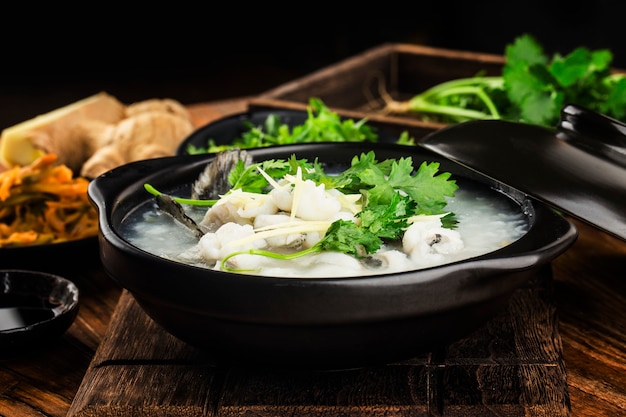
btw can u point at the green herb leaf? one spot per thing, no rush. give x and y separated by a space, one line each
533 88
345 236
388 221
250 179
321 125
393 191
425 187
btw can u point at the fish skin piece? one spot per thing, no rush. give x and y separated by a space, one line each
213 181
169 206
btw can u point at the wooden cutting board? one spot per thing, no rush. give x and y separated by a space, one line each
512 366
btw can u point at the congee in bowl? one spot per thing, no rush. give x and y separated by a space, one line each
290 218
260 293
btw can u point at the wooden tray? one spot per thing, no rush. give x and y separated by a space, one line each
352 87
512 366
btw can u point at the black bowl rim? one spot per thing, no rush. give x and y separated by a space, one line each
233 125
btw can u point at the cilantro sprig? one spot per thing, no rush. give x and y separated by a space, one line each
341 236
539 86
533 88
380 181
321 125
392 192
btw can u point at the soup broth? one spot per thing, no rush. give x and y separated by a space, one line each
487 221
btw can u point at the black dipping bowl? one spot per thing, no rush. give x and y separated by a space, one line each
35 308
318 323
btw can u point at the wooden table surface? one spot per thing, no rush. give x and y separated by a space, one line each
590 294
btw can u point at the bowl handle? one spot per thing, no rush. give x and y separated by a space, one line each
594 132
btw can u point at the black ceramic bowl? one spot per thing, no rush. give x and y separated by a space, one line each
319 323
225 130
35 308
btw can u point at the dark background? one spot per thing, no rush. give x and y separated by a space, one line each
195 52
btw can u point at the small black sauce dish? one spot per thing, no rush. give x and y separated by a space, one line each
35 308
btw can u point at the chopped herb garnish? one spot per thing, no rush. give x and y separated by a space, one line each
388 194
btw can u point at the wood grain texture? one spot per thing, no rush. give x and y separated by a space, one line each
589 296
511 366
43 380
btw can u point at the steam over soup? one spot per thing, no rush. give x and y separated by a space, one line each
292 219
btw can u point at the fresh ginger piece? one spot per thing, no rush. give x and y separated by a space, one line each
164 105
58 132
145 135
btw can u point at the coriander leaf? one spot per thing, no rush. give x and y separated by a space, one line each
388 221
249 178
345 236
426 188
542 109
324 125
321 125
530 86
386 185
615 104
533 88
525 50
405 139
578 65
342 236
349 179
430 189
449 221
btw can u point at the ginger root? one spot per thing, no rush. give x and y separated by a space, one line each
165 105
144 135
58 132
98 133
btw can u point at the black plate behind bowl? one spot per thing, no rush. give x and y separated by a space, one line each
225 130
35 308
56 258
317 322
